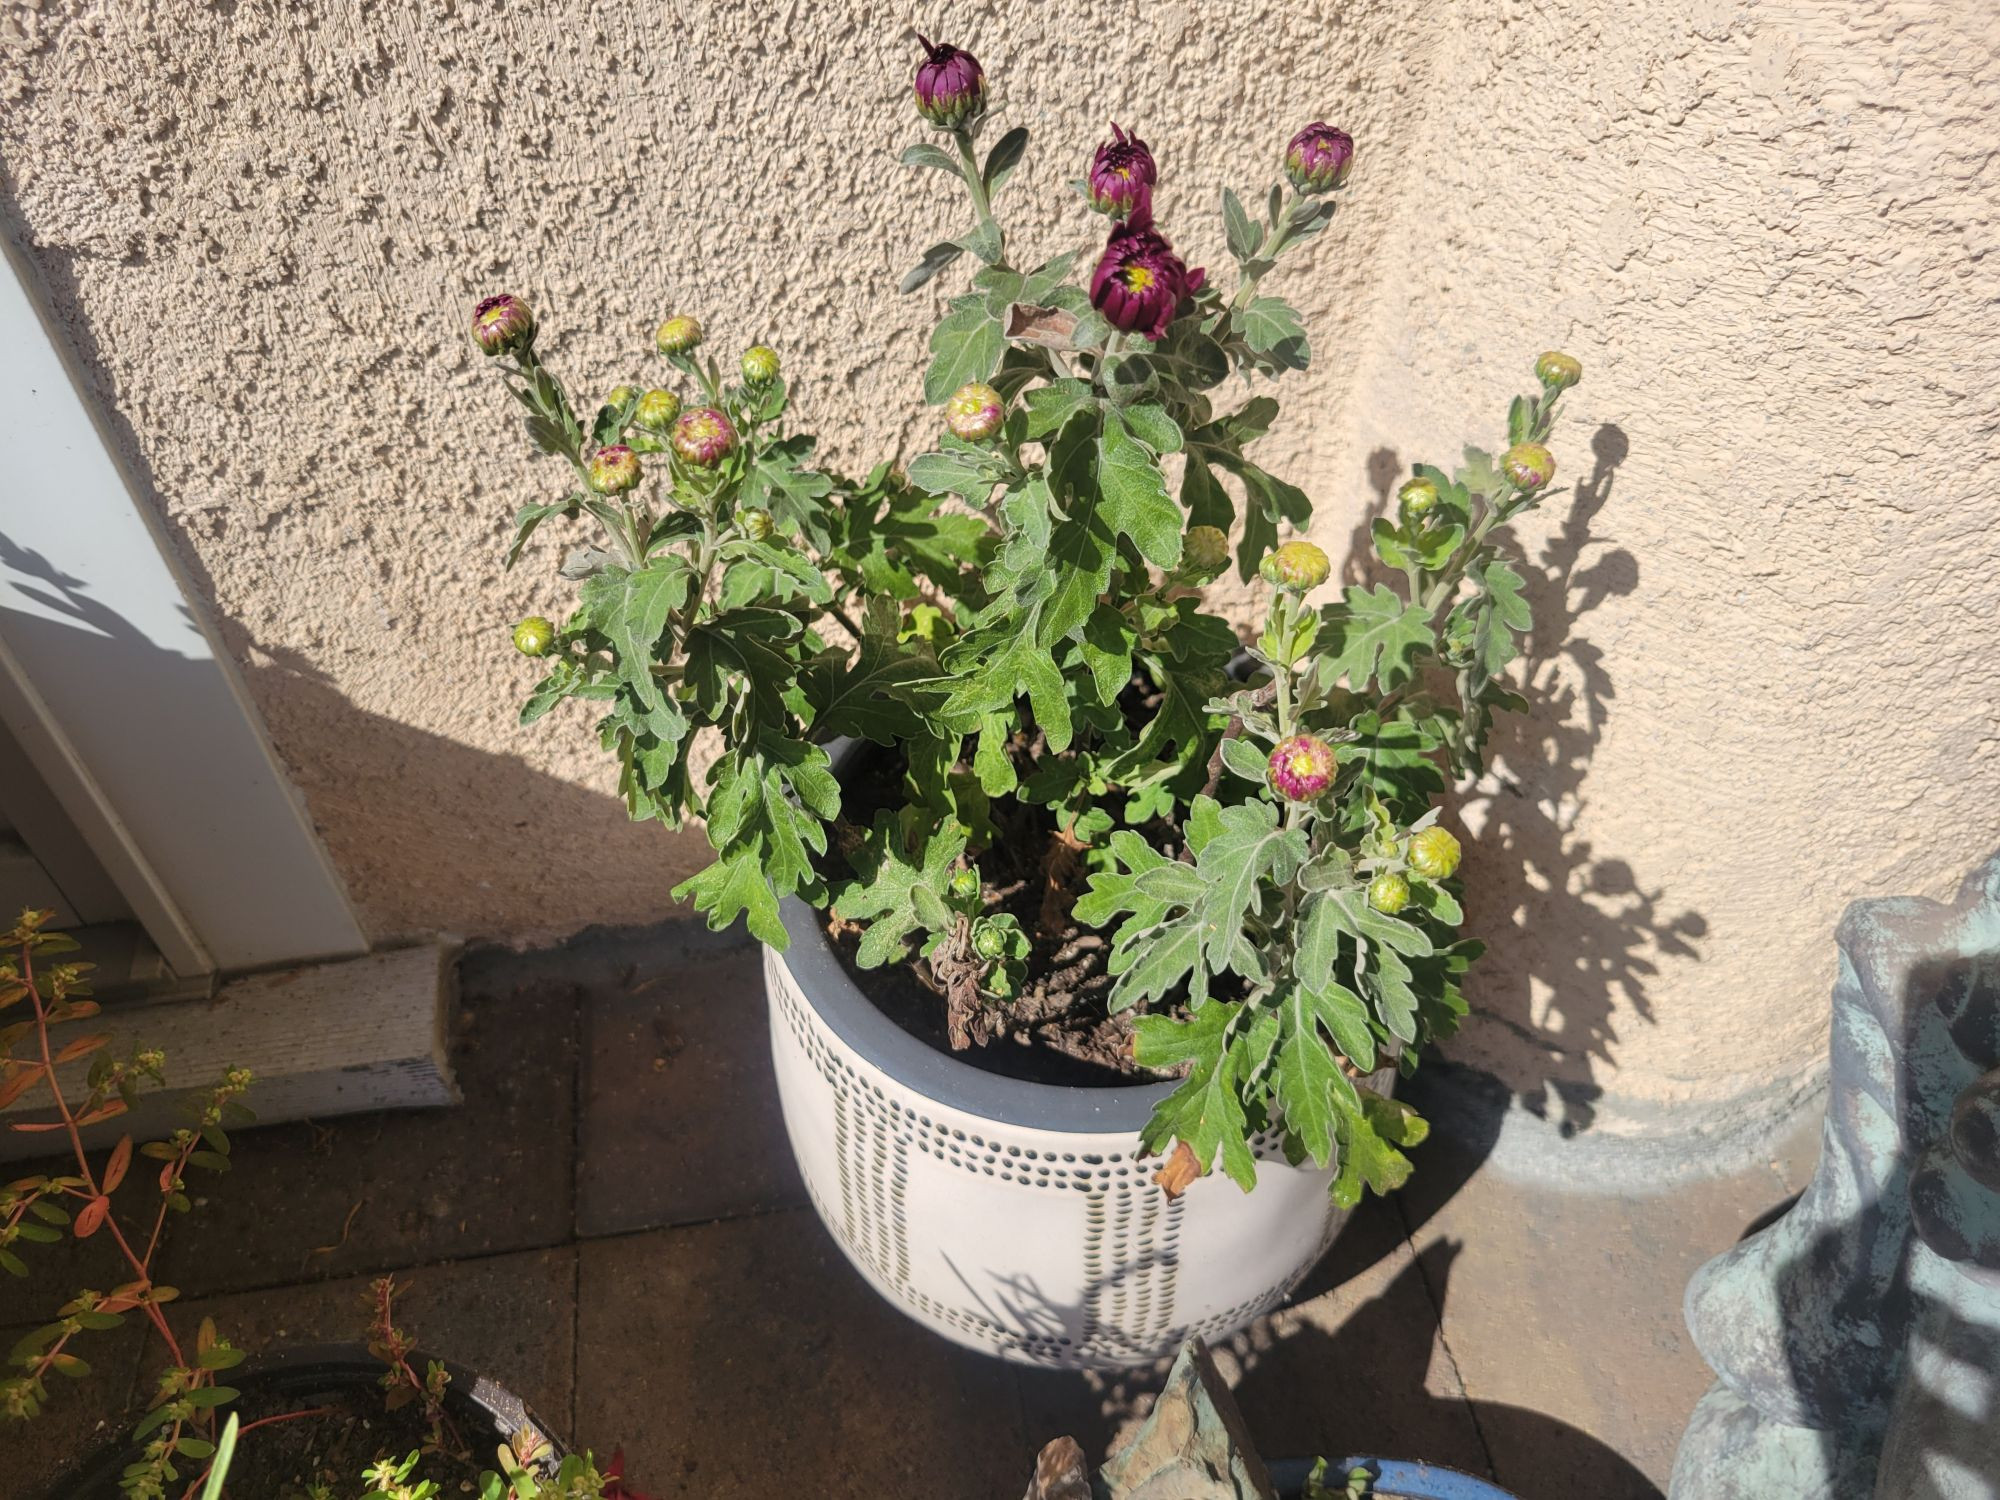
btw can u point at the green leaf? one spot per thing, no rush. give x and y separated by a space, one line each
528 517
1005 156
1135 500
1308 1077
984 241
782 560
735 886
1206 1111
1244 236
935 260
779 482
960 469
1206 502
965 347
1051 406
1271 327
1503 614
1395 1001
1345 1016
1152 426
871 696
934 157
990 761
1019 666
741 651
902 870
1373 634
1370 1131
1108 640
1233 864
631 610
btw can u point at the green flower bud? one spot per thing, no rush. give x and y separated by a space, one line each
756 523
1388 893
1528 466
622 395
989 942
760 364
1558 371
964 884
704 437
533 636
658 410
613 470
678 335
1295 567
974 412
1417 497
1204 550
1433 853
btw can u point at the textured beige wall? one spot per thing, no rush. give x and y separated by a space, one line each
1768 232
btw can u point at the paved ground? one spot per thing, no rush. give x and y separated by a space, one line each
612 1226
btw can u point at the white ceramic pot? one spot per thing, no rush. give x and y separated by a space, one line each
1018 1218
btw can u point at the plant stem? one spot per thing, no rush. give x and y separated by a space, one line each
975 184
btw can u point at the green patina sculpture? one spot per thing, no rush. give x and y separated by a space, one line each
1857 1339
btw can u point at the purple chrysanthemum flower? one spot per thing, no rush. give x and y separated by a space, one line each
1301 768
1319 158
950 86
502 323
1122 174
1140 281
704 437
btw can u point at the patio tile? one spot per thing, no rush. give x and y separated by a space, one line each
681 1122
1562 1311
510 1317
81 1415
374 1192
1355 1365
747 1358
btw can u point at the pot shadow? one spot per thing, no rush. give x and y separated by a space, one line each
1350 1380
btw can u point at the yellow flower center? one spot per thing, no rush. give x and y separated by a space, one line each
1138 278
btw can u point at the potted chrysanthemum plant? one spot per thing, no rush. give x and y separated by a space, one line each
1073 908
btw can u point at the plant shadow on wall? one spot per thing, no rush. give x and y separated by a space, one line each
389 799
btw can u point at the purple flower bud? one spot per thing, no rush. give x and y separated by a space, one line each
1558 371
974 412
678 335
1301 768
1296 567
1319 158
613 470
1528 466
1122 175
502 323
951 87
1140 281
704 437
658 410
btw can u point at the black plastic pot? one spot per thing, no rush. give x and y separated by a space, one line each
486 1412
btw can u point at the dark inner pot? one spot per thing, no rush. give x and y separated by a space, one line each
284 1459
1057 1030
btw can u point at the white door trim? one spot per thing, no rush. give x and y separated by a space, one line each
117 688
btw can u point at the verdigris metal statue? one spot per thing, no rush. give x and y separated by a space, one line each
1857 1338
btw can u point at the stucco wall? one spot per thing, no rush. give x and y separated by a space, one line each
1766 230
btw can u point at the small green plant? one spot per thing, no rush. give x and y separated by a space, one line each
1239 873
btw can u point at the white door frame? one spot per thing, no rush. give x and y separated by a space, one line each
117 689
